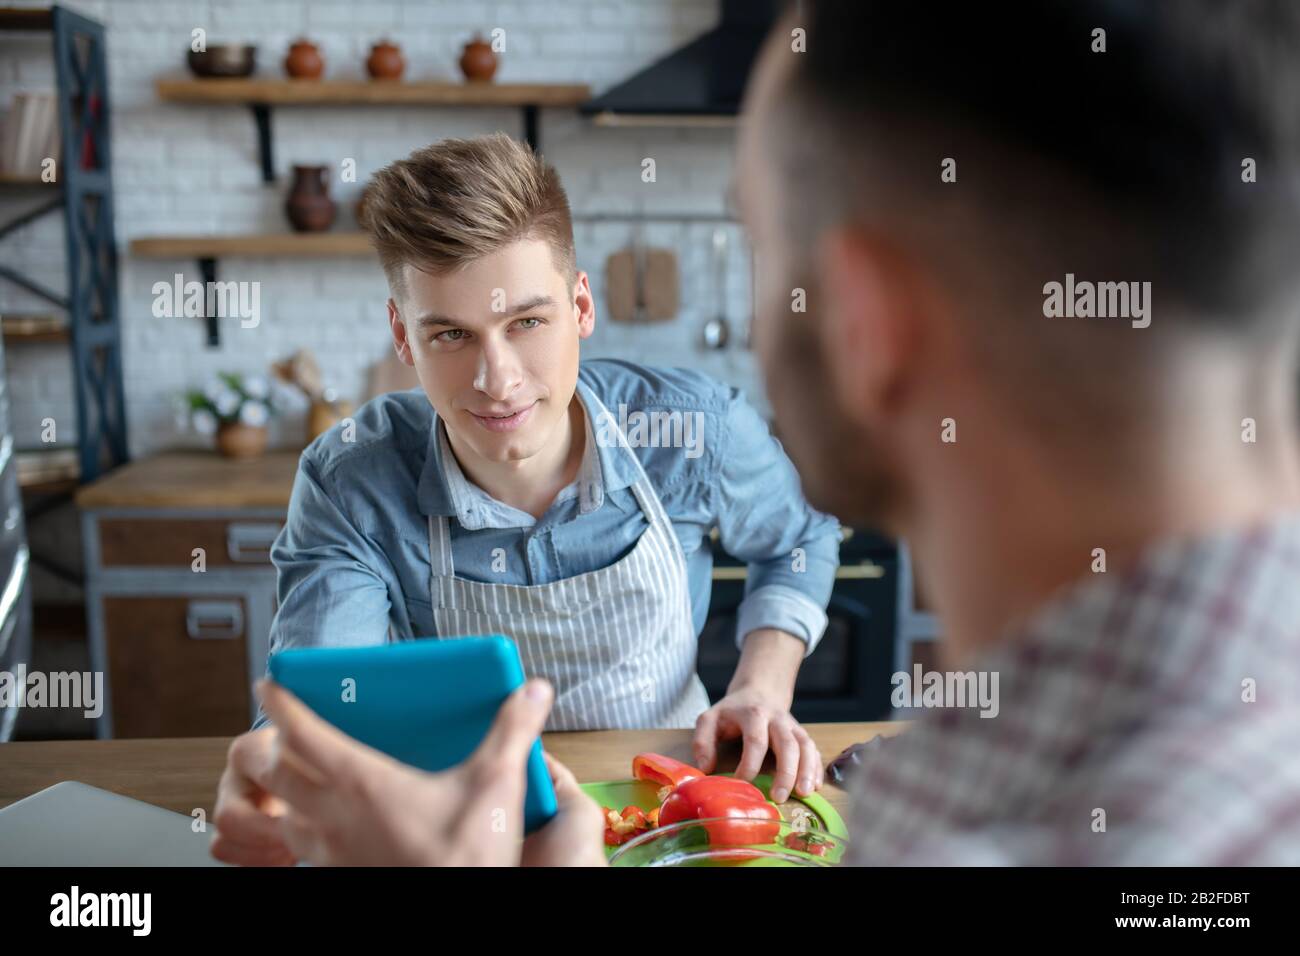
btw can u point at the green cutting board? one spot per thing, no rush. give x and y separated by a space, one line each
617 794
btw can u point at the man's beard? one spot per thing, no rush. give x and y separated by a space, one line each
841 466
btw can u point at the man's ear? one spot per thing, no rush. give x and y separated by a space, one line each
868 320
584 304
398 328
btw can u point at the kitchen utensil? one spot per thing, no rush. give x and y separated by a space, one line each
224 59
641 283
716 329
687 844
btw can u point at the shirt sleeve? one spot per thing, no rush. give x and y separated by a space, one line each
330 589
791 549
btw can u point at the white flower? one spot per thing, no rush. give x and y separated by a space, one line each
255 386
227 402
181 412
214 388
254 413
205 423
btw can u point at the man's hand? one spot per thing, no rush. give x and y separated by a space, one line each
575 836
343 803
246 815
757 710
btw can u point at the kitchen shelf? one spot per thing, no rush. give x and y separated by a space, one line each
259 95
284 92
83 194
25 180
267 245
34 328
43 469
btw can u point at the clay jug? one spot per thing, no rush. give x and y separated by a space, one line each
309 206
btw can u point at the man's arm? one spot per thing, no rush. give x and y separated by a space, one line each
792 553
331 591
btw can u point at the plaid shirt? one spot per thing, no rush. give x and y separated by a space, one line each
1128 694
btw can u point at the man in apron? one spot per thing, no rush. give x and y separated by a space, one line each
566 506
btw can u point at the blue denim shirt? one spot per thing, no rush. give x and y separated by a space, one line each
353 557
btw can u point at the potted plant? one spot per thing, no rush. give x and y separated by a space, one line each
235 408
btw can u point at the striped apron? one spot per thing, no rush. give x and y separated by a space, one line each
618 644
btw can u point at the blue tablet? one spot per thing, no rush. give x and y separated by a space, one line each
428 703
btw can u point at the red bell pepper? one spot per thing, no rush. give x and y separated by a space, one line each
749 818
665 771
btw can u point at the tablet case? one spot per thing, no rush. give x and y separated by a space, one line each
427 702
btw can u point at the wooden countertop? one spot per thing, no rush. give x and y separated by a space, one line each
181 773
195 479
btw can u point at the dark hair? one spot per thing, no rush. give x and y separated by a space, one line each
1154 130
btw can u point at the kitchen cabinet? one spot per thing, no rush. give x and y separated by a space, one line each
180 590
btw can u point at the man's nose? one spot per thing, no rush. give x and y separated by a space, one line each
499 372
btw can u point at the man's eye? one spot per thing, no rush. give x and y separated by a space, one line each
535 323
451 335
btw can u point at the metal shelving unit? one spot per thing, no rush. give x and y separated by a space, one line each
83 190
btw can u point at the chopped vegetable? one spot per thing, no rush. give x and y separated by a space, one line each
810 841
621 827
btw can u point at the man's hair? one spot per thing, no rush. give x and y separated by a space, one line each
1120 162
458 200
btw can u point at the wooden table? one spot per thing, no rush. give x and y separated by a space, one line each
181 773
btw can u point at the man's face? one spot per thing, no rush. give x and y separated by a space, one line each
842 467
495 346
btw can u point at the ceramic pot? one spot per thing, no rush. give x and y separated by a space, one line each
236 440
385 62
309 206
477 61
304 61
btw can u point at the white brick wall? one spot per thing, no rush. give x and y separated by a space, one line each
184 169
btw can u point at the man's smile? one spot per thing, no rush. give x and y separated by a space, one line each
505 420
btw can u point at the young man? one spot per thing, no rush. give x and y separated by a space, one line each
1115 530
567 506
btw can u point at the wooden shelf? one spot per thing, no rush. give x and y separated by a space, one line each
270 245
25 180
34 328
284 92
26 18
47 470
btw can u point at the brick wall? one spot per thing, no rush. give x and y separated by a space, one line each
180 169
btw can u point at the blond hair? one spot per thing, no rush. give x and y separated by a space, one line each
458 200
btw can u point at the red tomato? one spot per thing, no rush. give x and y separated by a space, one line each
749 818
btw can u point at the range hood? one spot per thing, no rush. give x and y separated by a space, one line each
701 83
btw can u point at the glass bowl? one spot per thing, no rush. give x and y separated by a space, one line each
688 844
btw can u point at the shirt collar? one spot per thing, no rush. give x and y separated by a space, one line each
445 491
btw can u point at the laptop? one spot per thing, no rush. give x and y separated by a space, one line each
73 824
